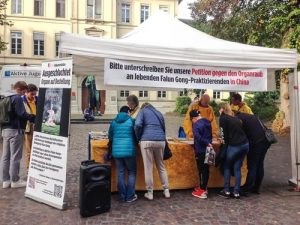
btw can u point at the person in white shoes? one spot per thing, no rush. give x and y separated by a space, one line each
150 130
13 137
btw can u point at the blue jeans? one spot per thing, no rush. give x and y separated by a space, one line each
234 157
255 165
126 190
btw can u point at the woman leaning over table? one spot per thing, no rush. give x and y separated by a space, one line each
236 147
150 130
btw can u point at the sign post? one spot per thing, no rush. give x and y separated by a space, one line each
48 161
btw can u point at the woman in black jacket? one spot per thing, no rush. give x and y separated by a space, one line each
236 145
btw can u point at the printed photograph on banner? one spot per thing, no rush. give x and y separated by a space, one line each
52 111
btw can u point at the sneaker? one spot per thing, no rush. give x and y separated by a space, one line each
135 197
149 195
200 194
224 194
198 188
236 195
20 183
167 193
6 184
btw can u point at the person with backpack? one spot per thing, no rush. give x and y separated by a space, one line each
202 139
150 131
30 103
13 131
122 137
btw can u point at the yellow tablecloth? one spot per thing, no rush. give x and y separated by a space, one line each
182 168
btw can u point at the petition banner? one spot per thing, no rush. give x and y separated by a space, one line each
48 161
144 74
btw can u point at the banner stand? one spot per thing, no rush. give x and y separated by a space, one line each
46 181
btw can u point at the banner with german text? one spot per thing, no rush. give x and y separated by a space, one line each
144 74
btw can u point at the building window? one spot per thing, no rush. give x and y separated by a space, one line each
57 38
39 7
183 93
216 95
164 8
124 93
161 94
60 8
93 9
143 94
125 12
38 44
16 43
16 6
144 12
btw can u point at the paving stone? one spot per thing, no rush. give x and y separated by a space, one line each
267 208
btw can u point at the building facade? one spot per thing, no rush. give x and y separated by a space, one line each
35 33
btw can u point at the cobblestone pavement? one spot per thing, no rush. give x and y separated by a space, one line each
275 205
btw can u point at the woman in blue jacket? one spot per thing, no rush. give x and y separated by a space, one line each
122 136
150 130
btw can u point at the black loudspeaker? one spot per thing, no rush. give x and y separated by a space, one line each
95 188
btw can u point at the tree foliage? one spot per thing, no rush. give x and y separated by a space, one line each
3 21
269 23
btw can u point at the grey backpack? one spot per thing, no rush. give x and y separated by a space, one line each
5 109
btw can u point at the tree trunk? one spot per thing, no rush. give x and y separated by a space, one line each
282 122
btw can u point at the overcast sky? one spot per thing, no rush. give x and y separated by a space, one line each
183 11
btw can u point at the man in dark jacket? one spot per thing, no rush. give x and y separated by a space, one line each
258 147
202 133
13 138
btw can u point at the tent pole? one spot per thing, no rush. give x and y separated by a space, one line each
297 131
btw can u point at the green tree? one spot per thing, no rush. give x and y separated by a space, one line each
3 21
268 23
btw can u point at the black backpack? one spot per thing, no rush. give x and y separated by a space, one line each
5 109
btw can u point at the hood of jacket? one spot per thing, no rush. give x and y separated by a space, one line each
122 117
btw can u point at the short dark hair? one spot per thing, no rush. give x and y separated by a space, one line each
32 87
237 96
194 113
21 84
125 109
134 99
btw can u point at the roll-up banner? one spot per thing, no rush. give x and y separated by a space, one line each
145 74
48 162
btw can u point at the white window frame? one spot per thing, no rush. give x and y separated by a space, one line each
41 4
40 42
144 10
143 94
161 94
18 37
124 93
127 12
216 95
62 8
17 8
95 8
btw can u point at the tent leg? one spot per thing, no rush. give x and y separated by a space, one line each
295 132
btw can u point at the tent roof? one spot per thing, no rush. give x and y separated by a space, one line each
165 39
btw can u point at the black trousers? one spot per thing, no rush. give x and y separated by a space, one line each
255 165
203 170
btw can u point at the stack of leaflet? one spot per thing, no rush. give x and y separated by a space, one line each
98 135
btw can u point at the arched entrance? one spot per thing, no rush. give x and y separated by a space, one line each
85 97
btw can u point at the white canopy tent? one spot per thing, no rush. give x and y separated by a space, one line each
164 39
